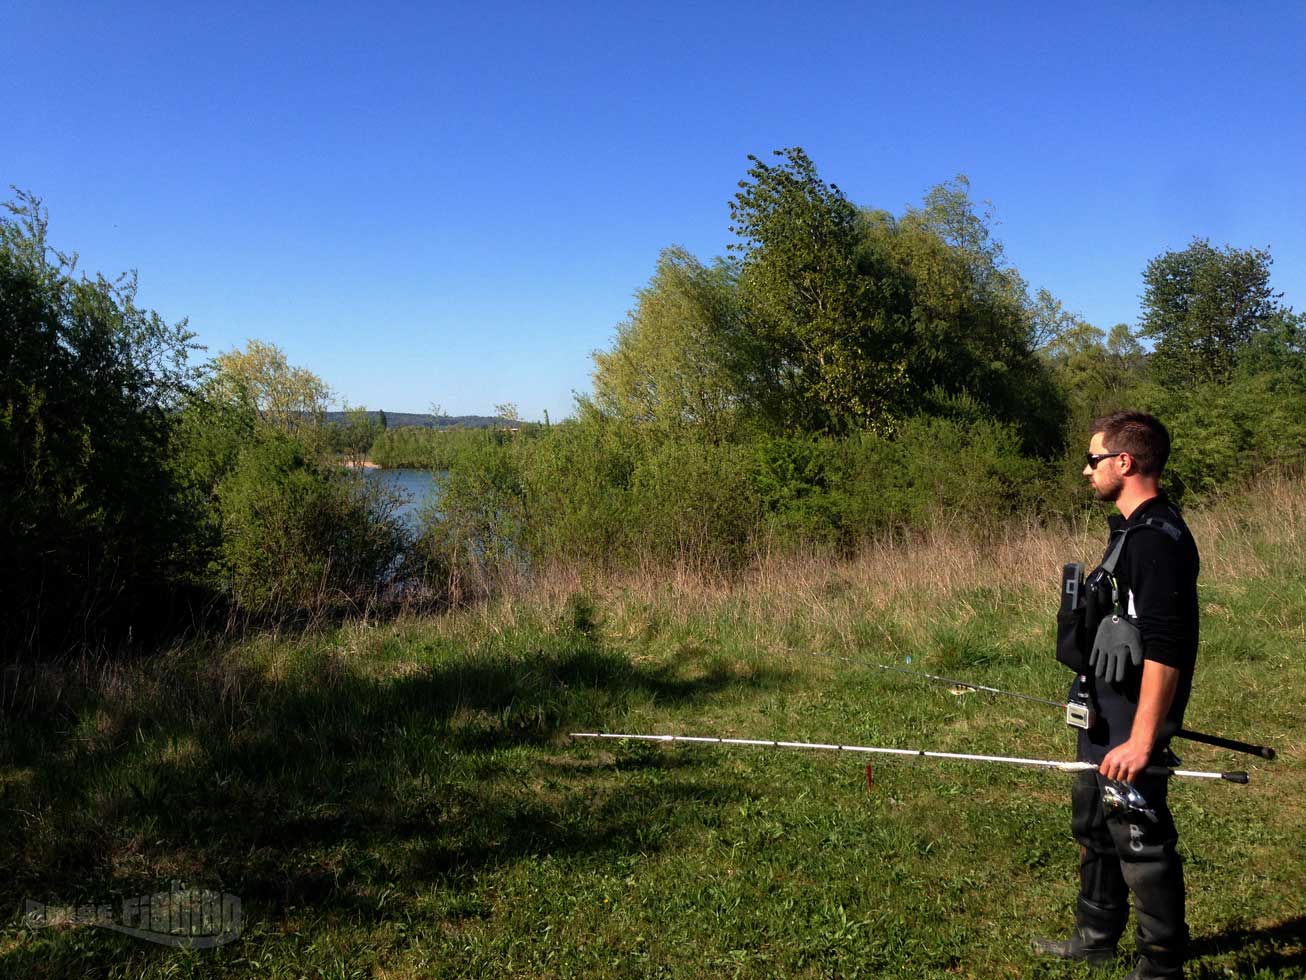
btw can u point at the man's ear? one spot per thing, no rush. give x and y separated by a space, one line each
1131 468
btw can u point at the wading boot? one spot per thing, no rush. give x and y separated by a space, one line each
1154 969
1093 940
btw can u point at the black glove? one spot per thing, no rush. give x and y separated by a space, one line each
1117 644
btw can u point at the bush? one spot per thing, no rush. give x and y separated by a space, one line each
606 494
578 479
695 504
88 385
800 484
476 530
939 470
1226 434
297 535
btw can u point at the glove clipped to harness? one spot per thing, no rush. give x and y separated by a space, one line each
1118 644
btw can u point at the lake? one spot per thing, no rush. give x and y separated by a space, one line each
415 486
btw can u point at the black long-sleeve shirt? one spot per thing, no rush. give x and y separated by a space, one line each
1158 589
1157 576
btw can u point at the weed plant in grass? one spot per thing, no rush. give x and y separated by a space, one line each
400 799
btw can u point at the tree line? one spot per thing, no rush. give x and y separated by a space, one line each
843 372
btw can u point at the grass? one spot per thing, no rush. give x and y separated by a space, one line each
399 798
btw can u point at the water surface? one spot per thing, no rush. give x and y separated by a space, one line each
415 486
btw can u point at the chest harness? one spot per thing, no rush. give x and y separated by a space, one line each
1095 632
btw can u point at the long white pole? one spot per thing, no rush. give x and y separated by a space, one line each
1057 764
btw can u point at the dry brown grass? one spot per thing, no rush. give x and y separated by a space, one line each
913 577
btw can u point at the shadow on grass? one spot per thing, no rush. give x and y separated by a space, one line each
1277 947
329 784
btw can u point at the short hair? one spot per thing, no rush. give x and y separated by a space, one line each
1140 435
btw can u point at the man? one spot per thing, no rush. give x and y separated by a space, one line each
1126 843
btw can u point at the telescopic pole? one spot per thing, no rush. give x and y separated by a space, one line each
1233 744
1057 764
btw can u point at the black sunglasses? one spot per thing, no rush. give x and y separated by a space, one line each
1094 458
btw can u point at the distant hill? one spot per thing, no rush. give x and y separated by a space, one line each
395 420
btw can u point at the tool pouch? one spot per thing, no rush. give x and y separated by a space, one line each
1071 618
1070 639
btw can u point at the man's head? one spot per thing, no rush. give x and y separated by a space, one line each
1127 448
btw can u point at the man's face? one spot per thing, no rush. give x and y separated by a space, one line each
1107 477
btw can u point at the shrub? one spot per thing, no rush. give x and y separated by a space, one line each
476 530
938 470
88 382
695 504
578 480
297 535
800 484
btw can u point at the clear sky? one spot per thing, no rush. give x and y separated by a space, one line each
454 202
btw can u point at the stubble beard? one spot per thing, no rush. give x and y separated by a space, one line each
1110 493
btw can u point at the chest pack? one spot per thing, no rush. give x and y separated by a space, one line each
1090 606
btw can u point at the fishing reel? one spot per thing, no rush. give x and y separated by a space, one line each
1125 799
1121 798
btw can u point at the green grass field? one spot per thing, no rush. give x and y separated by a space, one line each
401 799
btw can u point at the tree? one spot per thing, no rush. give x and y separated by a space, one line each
1278 349
1202 306
675 364
829 315
972 324
1125 356
833 319
90 384
290 398
357 432
507 412
1049 320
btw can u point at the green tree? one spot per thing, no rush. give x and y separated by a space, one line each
292 399
675 364
1202 306
1049 320
972 325
355 435
1126 359
829 314
89 387
1081 359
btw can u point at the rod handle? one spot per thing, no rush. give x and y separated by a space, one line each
1264 751
1232 777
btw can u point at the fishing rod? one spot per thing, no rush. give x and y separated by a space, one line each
1077 715
1057 764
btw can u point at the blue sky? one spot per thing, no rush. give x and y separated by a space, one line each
455 203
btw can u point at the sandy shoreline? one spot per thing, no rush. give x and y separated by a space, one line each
362 464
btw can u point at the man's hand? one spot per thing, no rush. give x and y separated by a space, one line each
1126 761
